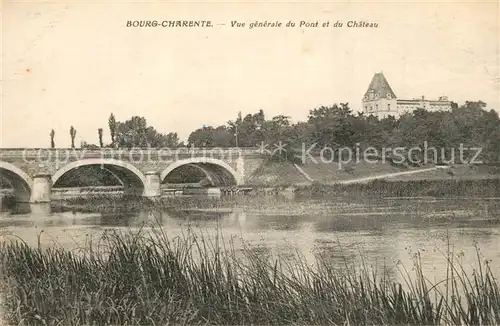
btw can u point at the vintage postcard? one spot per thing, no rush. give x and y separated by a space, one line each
250 162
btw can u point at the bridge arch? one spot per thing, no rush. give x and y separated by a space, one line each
20 181
132 179
204 171
217 171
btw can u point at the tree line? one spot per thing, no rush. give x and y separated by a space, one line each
470 125
127 134
335 126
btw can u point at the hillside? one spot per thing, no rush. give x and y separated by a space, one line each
285 173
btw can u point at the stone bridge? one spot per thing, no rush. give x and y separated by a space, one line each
33 172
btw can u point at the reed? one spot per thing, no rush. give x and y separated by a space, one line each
382 188
125 203
146 278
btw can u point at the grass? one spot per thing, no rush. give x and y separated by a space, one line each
127 203
375 189
259 198
383 188
146 278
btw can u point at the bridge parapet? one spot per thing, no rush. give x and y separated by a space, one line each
132 154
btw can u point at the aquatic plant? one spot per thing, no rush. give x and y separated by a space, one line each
382 188
139 278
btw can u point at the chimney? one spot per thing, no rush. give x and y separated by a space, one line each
423 98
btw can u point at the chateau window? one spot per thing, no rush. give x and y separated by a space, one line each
376 107
389 96
388 107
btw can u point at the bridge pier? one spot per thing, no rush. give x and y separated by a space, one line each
42 188
152 184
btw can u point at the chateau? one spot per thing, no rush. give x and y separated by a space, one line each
380 101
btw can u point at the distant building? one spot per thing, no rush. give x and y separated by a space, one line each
380 100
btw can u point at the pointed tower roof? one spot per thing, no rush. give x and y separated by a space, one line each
379 86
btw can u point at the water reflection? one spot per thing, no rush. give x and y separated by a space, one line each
236 219
384 232
42 210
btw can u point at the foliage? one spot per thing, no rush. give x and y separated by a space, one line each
332 126
248 130
138 279
136 133
86 145
99 133
335 126
383 188
52 143
211 137
112 128
72 133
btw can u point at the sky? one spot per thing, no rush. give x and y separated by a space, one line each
72 63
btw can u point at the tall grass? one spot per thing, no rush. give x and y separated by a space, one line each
126 203
376 189
383 188
139 278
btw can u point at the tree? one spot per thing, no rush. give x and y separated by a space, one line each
99 132
332 126
471 121
242 132
136 133
202 137
336 126
211 137
131 133
52 134
492 146
276 130
84 144
72 133
170 140
413 128
301 134
223 137
248 130
112 128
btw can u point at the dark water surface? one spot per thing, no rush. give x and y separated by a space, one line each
388 231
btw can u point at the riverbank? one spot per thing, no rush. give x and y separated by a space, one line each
262 198
265 198
286 173
410 188
149 279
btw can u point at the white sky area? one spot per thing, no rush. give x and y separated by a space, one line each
73 63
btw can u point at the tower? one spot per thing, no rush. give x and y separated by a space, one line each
379 99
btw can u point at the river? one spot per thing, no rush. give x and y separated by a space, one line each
383 231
